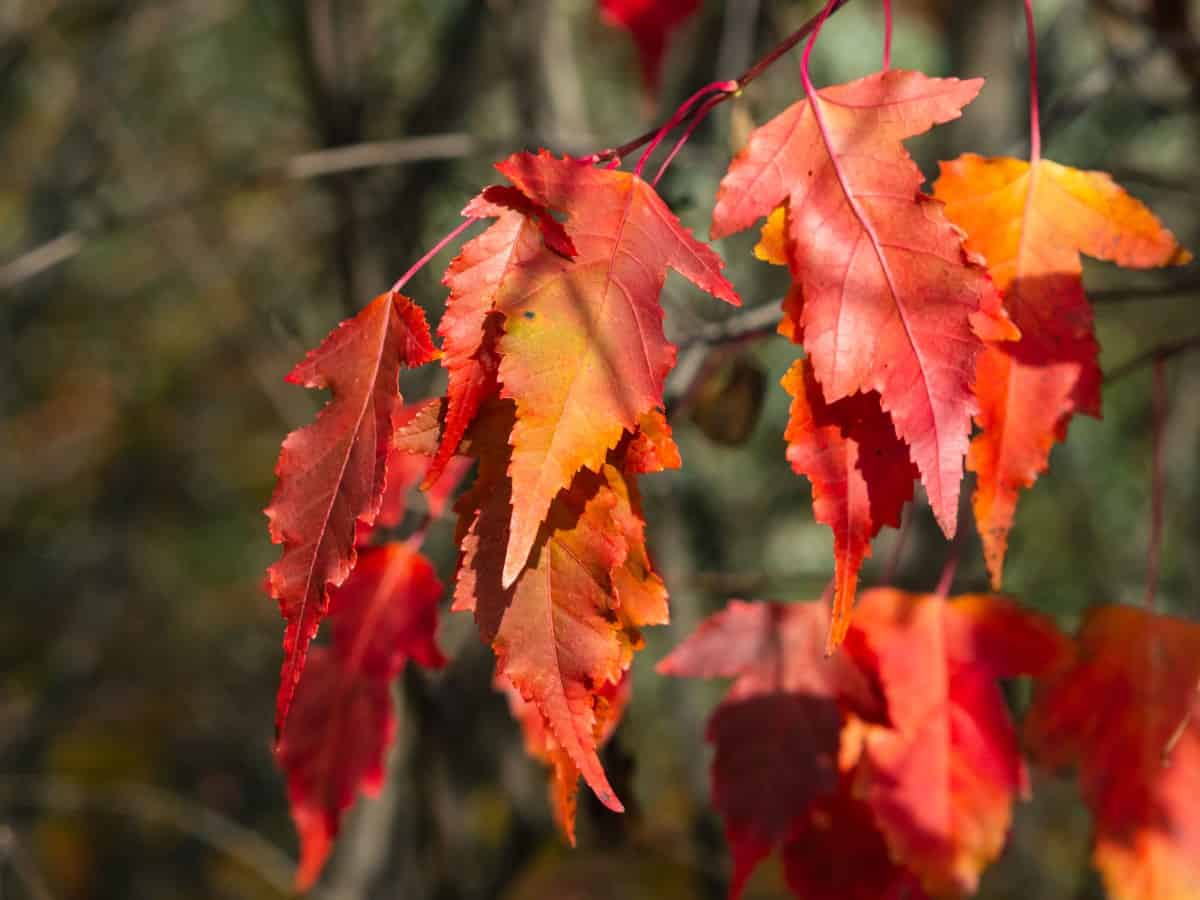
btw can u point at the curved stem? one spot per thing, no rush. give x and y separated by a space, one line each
1035 125
887 34
804 76
708 106
751 74
717 87
1154 555
433 251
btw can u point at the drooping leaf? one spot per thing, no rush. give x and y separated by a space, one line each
650 22
541 744
1126 711
940 778
1031 224
332 749
331 473
333 744
583 352
860 472
569 623
891 301
776 731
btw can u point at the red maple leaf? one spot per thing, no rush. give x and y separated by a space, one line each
331 474
1126 711
776 731
891 302
860 472
333 744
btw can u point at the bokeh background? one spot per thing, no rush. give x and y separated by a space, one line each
193 192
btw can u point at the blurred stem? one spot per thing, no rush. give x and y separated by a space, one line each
1154 555
1035 126
887 34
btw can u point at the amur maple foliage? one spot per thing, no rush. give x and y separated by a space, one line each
870 745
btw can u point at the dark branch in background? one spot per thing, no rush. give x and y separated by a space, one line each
1161 352
154 807
336 107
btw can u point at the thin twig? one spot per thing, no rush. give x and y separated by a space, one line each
1162 351
151 805
1154 552
296 169
739 84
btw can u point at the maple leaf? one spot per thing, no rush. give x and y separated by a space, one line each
333 745
1126 711
650 22
476 277
331 473
583 352
569 623
892 303
860 472
776 731
941 776
541 744
1031 223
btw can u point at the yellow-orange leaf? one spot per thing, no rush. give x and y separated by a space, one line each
1031 224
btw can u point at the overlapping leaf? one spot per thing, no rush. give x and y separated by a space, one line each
891 301
940 778
334 743
568 626
776 732
488 264
331 473
1126 711
860 472
1031 223
583 353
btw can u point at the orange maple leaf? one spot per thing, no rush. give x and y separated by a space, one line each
569 623
1031 223
541 744
583 352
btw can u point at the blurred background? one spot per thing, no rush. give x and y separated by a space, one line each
193 192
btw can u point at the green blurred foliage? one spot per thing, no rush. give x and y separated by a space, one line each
169 246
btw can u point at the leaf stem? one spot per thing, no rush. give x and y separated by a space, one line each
717 87
887 35
705 108
741 82
432 252
1035 125
1154 554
